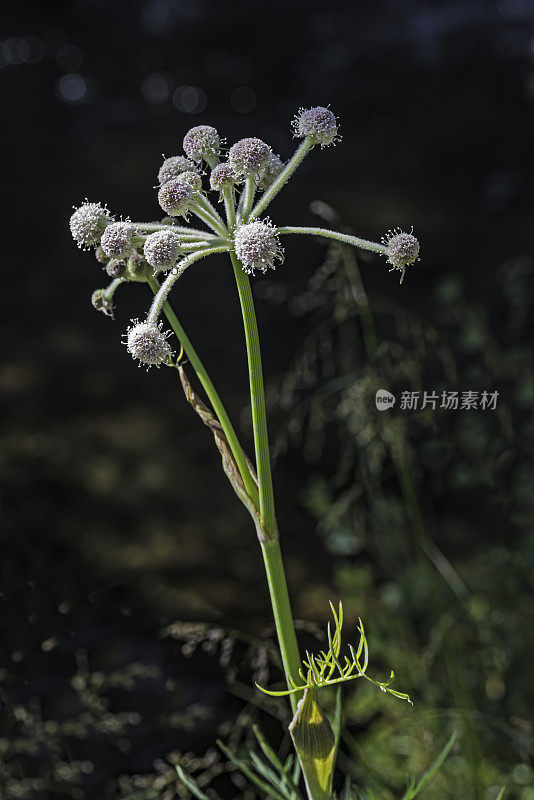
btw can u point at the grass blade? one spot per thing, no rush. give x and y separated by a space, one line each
190 784
431 771
249 773
269 753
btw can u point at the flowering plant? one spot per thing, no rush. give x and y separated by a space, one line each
158 253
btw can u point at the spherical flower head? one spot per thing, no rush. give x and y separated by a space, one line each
116 240
175 197
148 343
88 223
202 142
257 246
319 123
402 249
172 167
222 175
192 178
162 249
249 156
271 171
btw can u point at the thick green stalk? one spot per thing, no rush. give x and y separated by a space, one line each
268 534
257 398
283 616
355 241
214 398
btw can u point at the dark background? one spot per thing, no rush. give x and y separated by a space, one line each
116 517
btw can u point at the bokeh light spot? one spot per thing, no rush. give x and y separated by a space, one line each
190 99
72 88
156 88
243 99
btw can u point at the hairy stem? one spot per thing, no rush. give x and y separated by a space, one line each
205 215
176 273
186 233
247 199
204 205
211 392
228 195
299 155
355 241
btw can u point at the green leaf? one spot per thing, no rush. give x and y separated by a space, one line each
267 772
190 784
249 773
414 790
318 670
284 770
501 794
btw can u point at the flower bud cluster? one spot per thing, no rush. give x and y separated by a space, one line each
101 302
116 268
138 251
137 268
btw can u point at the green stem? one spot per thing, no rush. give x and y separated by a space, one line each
186 233
190 247
247 198
270 546
211 392
228 194
212 160
112 288
283 617
355 241
204 213
174 274
300 153
257 398
203 203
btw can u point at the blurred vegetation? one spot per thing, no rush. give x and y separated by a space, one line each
428 514
426 517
